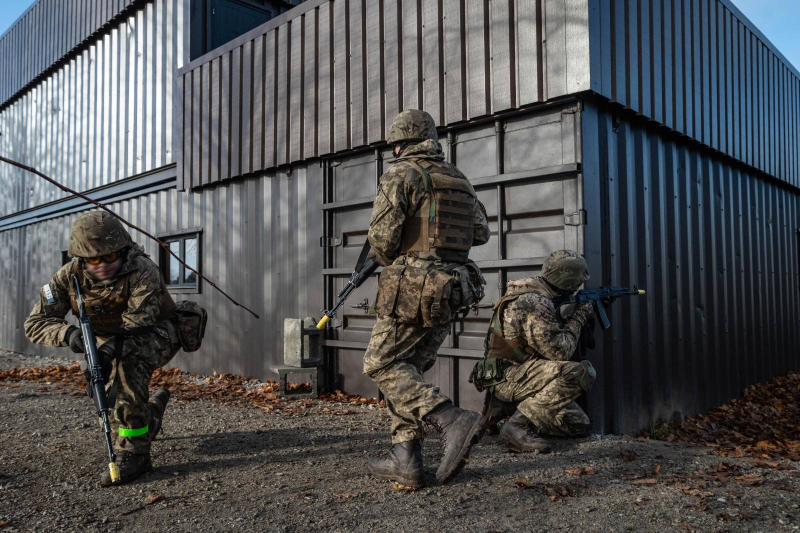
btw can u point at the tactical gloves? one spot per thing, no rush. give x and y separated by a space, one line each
75 340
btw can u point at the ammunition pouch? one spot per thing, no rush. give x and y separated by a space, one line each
414 295
190 324
467 286
488 372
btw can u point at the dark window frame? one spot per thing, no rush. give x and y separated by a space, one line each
164 259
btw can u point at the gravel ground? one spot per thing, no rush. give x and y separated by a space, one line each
220 468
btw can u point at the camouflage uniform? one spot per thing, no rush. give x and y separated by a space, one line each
546 385
136 297
399 353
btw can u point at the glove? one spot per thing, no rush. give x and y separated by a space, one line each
75 340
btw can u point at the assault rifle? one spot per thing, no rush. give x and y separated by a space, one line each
365 266
598 298
97 387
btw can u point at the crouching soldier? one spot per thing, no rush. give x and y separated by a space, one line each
528 370
134 320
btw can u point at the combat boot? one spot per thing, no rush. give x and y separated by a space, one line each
460 429
404 465
521 435
131 466
157 404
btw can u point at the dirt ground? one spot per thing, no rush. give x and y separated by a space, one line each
222 468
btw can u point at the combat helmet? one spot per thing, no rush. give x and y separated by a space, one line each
412 125
565 269
97 233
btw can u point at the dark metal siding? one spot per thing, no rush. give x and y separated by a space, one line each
104 115
701 68
330 86
268 258
715 246
48 31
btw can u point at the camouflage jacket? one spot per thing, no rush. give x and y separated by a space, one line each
138 292
401 192
532 317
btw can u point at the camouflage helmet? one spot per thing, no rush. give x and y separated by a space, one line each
412 125
97 233
565 269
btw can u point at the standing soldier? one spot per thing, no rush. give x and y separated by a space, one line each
131 314
529 351
425 219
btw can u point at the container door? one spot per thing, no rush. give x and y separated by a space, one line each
527 174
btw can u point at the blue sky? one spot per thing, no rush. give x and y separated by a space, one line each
777 19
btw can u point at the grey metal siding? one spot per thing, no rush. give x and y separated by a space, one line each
47 32
334 87
260 243
702 69
716 247
104 115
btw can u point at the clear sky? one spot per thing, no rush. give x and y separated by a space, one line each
777 19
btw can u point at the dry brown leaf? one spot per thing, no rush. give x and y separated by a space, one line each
687 527
746 515
647 481
5 523
656 469
724 517
628 455
698 505
581 471
749 480
523 483
150 499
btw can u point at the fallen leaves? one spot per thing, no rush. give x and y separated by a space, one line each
628 455
749 480
762 423
646 481
226 389
656 470
687 527
581 471
154 498
554 491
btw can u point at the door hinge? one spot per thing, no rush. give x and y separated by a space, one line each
329 242
575 219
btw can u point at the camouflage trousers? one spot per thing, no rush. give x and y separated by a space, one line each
128 388
397 357
545 392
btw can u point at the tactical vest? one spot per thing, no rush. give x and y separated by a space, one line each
443 226
105 304
514 350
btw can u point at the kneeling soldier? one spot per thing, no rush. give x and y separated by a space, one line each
529 354
131 314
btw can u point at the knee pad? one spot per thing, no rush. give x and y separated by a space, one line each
588 375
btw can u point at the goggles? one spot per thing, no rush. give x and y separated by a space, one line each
108 258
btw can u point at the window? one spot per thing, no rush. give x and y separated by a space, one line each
186 245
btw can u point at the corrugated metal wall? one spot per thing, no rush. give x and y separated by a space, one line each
331 75
105 115
700 68
260 243
716 248
45 33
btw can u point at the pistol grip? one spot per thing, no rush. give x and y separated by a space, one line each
601 313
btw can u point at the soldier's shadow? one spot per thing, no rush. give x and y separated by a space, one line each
240 448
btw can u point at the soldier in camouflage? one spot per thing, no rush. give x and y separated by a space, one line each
131 314
536 346
425 219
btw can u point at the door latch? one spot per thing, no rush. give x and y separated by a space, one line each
575 219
